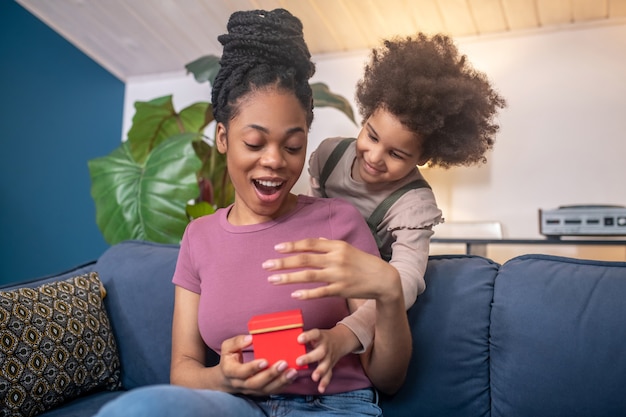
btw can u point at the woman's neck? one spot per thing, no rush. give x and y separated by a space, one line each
241 215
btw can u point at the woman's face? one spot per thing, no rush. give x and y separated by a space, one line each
265 146
386 150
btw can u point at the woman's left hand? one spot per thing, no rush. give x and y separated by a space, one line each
347 271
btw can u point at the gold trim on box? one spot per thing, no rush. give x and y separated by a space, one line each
276 328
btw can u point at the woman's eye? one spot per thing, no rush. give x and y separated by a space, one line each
373 138
252 146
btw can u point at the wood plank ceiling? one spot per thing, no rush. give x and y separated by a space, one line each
132 38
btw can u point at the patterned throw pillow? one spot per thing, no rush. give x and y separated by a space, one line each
56 344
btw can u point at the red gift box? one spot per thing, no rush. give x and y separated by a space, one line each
274 337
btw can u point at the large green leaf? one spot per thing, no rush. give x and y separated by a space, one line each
145 201
157 120
323 97
204 68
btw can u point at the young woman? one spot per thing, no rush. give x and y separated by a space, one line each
262 103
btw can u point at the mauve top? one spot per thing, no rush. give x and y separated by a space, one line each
222 263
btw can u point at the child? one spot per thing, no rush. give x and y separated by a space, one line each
421 102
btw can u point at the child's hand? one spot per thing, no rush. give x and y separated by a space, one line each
328 347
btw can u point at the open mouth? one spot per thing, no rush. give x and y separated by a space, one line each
268 187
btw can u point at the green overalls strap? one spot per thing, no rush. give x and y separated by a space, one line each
331 162
377 215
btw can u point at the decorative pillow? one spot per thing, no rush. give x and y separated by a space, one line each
56 344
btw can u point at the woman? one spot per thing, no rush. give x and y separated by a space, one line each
262 103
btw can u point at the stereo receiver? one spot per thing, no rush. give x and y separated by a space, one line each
583 220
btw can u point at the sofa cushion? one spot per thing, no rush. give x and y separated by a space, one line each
56 344
138 279
449 370
558 338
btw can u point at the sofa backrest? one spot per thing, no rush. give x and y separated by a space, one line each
450 327
558 338
140 303
449 370
538 336
77 270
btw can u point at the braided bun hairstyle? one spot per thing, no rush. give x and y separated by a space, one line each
262 49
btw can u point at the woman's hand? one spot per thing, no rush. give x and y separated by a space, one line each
347 271
328 346
232 375
255 377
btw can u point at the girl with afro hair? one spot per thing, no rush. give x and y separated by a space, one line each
422 103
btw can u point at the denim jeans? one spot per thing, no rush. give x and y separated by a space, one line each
171 400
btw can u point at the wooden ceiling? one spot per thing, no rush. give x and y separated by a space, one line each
133 38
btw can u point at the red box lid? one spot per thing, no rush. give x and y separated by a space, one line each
272 322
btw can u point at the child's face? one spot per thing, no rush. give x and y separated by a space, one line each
385 150
265 147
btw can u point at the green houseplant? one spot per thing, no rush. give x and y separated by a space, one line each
168 170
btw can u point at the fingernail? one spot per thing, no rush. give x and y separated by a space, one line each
263 364
280 246
281 366
248 338
296 294
268 264
291 374
275 278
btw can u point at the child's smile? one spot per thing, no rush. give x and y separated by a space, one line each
386 150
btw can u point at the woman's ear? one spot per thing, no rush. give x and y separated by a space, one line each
221 138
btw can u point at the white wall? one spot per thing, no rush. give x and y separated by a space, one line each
182 87
562 138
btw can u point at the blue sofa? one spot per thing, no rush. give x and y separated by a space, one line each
537 336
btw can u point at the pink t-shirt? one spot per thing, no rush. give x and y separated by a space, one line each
222 263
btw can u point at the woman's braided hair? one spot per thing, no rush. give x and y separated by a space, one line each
435 92
262 49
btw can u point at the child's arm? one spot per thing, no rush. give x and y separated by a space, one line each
409 258
387 360
410 221
361 324
328 347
